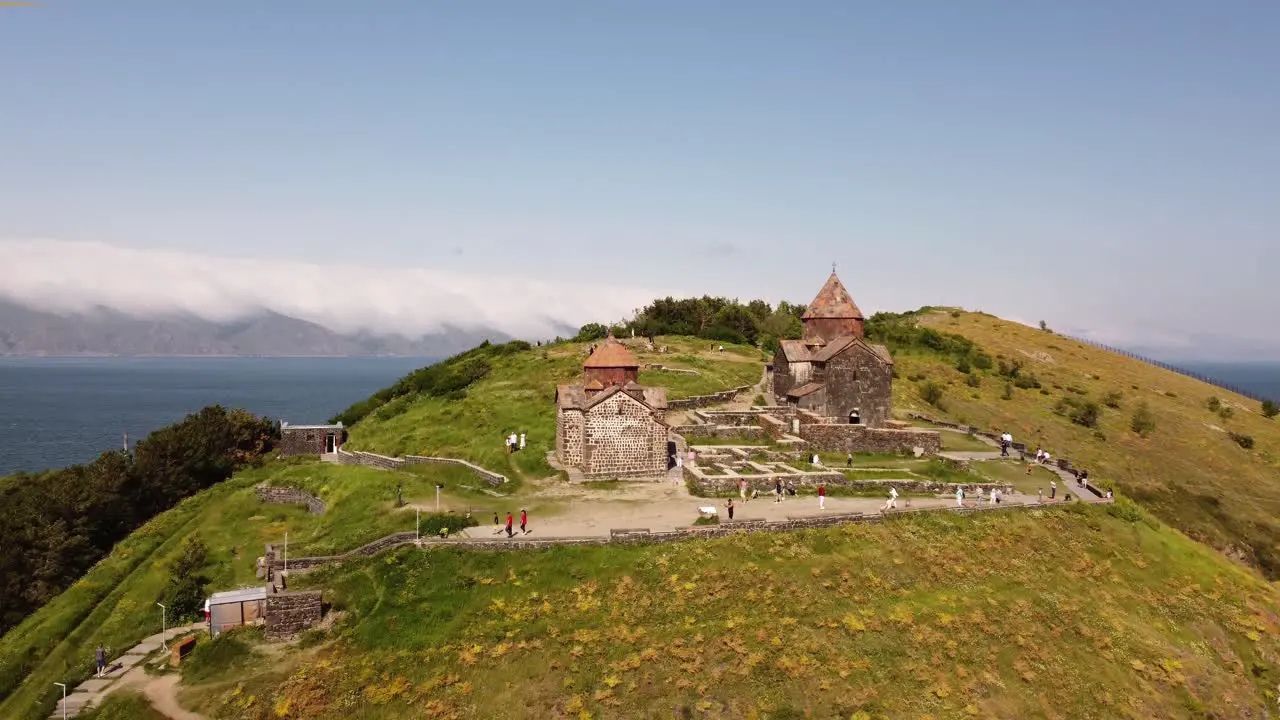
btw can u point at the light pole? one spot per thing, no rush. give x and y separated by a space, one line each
64 699
286 552
164 629
417 521
438 486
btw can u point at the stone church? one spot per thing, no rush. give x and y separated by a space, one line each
832 370
610 426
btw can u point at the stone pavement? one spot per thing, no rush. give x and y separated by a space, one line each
90 692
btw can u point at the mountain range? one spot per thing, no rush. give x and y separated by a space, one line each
103 331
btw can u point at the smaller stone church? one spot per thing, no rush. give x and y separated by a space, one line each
832 371
610 426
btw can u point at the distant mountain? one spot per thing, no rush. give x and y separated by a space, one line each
103 331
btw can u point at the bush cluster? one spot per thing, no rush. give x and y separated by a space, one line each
1081 412
1143 422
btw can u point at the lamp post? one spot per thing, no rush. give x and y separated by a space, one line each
164 626
438 487
64 699
286 552
417 523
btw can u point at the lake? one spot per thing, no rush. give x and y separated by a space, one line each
59 411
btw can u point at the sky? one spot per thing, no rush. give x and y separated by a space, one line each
1110 168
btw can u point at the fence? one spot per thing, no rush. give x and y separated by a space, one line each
1173 368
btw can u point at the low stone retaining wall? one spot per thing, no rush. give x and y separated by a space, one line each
740 418
664 368
273 559
637 535
704 400
718 431
862 439
291 496
289 613
368 459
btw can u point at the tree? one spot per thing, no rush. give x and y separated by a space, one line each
184 592
782 325
1269 409
591 331
931 392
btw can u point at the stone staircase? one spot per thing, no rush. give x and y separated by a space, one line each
90 692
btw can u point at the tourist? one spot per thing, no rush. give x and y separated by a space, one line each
997 496
1039 454
817 460
777 490
1053 489
524 521
100 657
1005 441
1028 468
1046 458
893 499
848 461
822 496
791 488
521 441
510 519
979 502
497 524
1039 494
960 497
730 506
1084 478
1108 494
742 489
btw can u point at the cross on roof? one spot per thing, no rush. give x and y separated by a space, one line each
833 266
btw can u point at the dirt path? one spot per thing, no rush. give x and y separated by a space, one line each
162 693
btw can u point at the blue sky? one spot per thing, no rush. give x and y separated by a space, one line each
1111 168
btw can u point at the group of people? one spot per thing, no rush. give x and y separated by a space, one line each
524 523
1006 442
515 442
779 491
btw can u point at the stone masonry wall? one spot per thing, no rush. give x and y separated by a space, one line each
860 438
858 378
289 613
622 438
304 441
719 431
569 437
704 400
291 496
765 483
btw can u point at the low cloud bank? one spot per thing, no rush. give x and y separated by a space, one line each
70 277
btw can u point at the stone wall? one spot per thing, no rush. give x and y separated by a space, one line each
741 418
664 368
289 613
308 441
622 438
569 425
719 431
368 459
860 438
291 496
787 375
488 476
699 401
859 379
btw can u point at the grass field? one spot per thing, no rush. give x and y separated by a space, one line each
1188 471
519 396
115 602
1065 613
123 706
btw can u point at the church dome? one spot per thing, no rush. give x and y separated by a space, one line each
611 354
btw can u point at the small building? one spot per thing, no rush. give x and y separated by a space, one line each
610 426
832 370
311 439
233 608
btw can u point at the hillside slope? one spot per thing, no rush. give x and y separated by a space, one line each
1188 470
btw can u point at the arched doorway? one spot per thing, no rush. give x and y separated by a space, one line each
855 417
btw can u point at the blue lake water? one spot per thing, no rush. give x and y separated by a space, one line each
1262 378
59 411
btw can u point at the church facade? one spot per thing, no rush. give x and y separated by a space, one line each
832 370
610 426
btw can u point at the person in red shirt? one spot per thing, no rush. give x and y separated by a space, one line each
524 521
822 496
509 520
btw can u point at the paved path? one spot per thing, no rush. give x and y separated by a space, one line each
1068 479
91 691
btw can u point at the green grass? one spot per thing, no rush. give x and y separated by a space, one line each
996 615
746 440
233 651
1186 472
518 395
115 602
964 442
123 706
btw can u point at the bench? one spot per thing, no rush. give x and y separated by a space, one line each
181 649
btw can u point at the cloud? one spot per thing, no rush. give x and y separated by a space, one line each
69 277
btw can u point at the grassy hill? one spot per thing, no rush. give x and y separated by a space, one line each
1072 612
1187 470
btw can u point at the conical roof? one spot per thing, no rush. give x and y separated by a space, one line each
611 354
833 301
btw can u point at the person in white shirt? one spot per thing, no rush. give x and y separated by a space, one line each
893 499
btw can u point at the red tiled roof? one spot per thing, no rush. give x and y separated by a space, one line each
611 354
832 301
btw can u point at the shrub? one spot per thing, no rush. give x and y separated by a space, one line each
758 400
1112 399
955 313
1026 382
1269 409
963 365
1044 326
1143 422
184 592
973 381
982 361
1008 392
931 392
1077 390
1080 412
1214 404
1225 412
1244 441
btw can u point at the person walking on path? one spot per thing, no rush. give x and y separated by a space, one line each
521 441
997 496
848 460
892 502
1053 489
730 506
1040 495
497 524
524 521
777 490
822 496
960 497
742 489
510 532
100 657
